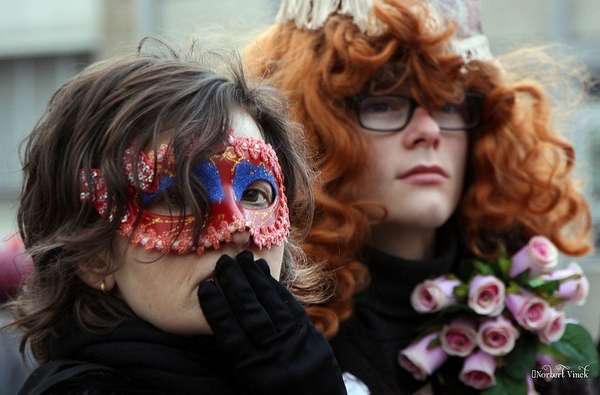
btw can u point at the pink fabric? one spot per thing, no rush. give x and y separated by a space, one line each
15 266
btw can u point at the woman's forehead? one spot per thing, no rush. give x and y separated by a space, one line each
402 88
242 124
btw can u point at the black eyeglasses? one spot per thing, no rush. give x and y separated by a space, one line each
393 112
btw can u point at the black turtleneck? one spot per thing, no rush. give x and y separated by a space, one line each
384 321
384 306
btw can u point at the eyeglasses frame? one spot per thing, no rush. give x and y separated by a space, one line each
413 104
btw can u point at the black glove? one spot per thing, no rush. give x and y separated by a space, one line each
265 333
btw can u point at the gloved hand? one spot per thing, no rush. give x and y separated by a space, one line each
265 333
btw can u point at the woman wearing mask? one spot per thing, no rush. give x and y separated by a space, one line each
161 204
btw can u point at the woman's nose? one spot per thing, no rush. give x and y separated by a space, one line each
241 239
422 130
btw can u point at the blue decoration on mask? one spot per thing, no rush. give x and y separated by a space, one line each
165 182
208 175
246 173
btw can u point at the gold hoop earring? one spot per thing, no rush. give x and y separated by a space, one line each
103 287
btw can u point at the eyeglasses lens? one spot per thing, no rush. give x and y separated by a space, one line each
384 112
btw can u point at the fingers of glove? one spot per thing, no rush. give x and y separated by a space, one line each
290 300
243 302
271 293
220 317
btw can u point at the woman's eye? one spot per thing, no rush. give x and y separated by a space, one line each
379 107
449 108
380 104
169 202
259 194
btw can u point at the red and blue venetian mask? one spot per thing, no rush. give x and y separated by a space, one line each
226 176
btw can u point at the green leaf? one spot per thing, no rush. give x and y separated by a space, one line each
471 267
484 267
521 360
512 288
544 288
506 385
551 352
461 291
523 278
504 263
579 349
466 269
536 282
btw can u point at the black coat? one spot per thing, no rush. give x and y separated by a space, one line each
136 358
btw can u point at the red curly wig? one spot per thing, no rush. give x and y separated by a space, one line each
518 182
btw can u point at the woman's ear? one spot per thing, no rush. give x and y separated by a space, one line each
101 282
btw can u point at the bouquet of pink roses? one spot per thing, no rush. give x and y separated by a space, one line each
503 318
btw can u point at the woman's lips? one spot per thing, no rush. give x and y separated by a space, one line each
424 174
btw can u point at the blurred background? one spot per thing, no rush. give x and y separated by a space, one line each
45 42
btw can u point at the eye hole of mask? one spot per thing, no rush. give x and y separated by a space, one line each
169 201
258 195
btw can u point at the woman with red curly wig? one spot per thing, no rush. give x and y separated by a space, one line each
428 150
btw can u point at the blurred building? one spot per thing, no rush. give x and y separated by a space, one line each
44 42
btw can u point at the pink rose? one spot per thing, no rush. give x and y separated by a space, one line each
478 370
538 255
486 295
433 295
529 310
574 286
554 328
497 336
421 360
458 337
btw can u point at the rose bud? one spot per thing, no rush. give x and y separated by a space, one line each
421 360
486 295
529 310
574 286
433 295
478 370
497 336
539 255
554 328
458 337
